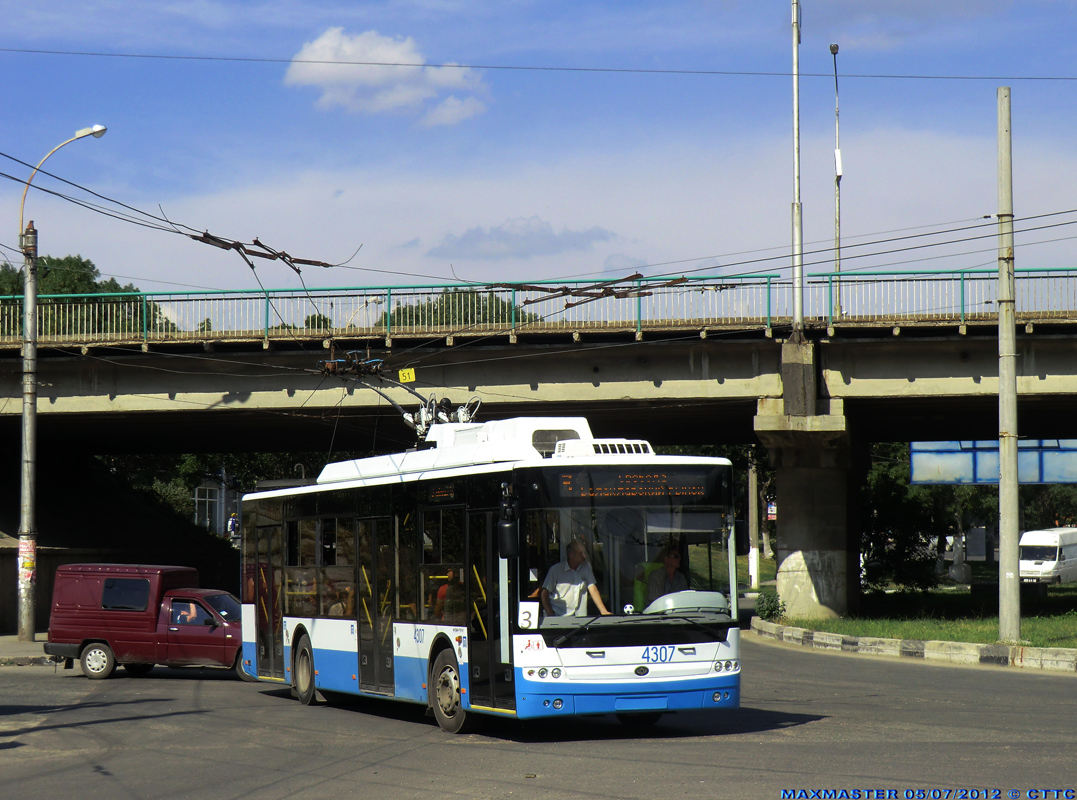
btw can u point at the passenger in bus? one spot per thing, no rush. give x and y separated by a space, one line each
449 603
345 604
669 578
569 583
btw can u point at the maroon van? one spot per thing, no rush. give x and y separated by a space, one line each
137 616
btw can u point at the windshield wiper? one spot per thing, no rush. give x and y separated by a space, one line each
704 628
560 640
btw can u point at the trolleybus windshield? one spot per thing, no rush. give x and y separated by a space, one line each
628 519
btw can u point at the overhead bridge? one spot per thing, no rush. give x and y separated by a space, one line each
889 357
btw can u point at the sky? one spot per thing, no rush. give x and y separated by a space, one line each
642 136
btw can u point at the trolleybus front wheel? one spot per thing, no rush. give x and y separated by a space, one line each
444 693
303 672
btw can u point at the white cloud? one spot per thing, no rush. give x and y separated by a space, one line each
452 110
677 202
518 238
368 85
872 26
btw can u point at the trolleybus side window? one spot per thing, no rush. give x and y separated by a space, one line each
442 574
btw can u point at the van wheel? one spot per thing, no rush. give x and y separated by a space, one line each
97 661
237 667
444 694
137 670
303 672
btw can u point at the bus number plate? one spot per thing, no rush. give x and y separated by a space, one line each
658 655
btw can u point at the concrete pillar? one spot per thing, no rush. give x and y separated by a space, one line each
811 455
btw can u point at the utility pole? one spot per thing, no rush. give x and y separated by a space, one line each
837 185
798 222
1009 590
753 525
27 517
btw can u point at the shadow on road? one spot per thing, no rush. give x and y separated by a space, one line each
683 724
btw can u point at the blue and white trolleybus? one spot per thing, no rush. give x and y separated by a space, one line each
418 576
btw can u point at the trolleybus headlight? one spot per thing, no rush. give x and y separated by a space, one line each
542 672
556 673
729 666
717 666
558 703
717 697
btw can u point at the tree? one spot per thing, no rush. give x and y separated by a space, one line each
900 521
171 479
79 278
456 308
317 322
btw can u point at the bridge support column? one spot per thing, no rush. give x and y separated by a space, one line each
812 457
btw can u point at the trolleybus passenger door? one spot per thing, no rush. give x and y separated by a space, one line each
488 599
376 591
269 632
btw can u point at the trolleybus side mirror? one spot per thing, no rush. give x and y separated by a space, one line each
740 531
508 529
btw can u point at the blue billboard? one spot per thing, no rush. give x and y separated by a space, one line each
976 462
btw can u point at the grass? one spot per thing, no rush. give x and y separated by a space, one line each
950 613
768 569
956 613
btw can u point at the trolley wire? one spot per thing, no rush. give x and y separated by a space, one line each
529 67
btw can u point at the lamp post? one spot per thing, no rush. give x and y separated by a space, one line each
798 229
27 564
837 184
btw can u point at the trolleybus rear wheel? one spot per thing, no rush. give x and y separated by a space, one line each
444 693
303 672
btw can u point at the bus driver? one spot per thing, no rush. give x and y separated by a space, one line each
568 583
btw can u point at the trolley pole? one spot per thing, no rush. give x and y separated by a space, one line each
1009 598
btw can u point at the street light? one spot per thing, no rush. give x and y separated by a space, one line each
837 182
27 522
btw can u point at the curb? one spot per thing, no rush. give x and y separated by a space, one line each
1055 659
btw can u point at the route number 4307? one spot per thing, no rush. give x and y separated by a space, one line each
658 655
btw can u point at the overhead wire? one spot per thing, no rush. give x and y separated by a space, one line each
526 67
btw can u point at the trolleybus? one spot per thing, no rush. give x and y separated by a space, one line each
418 577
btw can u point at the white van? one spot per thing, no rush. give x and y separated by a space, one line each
1048 556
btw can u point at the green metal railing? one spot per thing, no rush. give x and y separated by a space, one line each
386 311
698 303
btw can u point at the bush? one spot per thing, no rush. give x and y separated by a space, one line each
768 606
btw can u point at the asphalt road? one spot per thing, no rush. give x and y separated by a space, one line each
809 721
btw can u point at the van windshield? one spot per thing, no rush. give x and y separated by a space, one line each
224 604
1039 552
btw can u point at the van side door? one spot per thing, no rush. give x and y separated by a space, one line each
194 634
